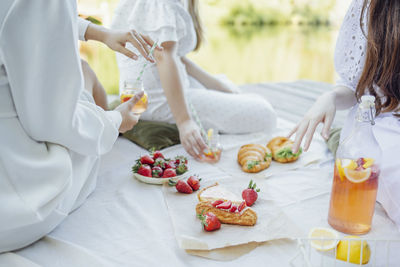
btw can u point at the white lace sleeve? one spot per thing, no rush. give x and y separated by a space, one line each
351 47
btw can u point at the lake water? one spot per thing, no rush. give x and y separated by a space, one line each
246 55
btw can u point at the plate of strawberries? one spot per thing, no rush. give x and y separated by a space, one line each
155 168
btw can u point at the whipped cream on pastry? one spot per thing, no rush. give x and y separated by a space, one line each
216 192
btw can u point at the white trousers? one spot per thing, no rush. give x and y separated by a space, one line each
229 113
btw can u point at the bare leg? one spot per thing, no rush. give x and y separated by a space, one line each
93 85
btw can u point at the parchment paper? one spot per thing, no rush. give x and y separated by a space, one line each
229 164
271 224
225 254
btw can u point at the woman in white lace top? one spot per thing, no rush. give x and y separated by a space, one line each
367 64
175 80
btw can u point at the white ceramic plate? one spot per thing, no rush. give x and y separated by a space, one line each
151 180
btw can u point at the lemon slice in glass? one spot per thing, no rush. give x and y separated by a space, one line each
356 176
323 239
210 133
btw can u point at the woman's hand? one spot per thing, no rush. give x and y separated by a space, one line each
323 110
191 140
117 40
129 119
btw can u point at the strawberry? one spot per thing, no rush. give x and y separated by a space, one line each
136 167
146 160
160 162
225 205
233 208
169 173
180 159
181 186
157 154
144 170
170 164
181 168
217 202
194 182
242 206
360 162
209 221
250 194
157 172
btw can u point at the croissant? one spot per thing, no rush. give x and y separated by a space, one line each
281 148
254 158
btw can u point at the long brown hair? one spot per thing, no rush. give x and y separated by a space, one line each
382 63
193 8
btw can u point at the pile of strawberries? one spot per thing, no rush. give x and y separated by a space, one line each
156 165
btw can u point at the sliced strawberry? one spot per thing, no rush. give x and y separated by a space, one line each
360 162
233 208
147 160
125 98
242 206
217 202
169 173
145 170
226 205
209 221
194 182
181 186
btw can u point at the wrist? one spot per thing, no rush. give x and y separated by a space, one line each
332 94
96 33
181 123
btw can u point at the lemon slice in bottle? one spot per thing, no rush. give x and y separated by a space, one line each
368 162
349 164
323 239
356 176
342 164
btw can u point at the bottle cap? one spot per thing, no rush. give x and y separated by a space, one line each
367 101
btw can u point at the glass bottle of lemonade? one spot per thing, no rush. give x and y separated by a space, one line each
130 88
356 174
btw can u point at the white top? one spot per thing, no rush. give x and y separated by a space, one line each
351 48
163 21
51 132
349 63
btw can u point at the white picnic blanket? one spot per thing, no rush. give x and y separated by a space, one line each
127 223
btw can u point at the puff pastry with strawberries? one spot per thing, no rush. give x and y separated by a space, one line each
227 206
281 148
254 158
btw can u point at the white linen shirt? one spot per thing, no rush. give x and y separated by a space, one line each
51 132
